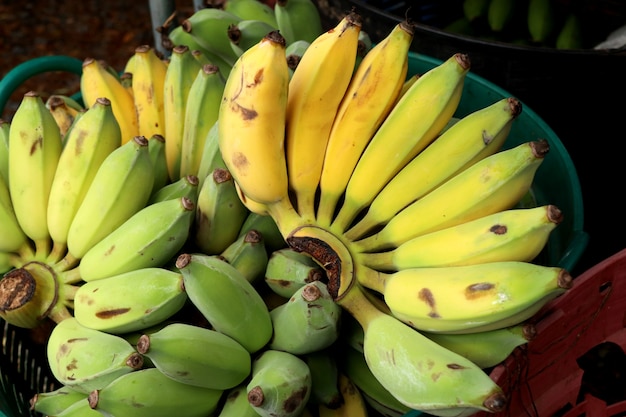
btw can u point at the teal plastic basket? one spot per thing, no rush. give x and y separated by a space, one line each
23 365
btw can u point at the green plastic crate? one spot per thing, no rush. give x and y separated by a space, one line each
23 366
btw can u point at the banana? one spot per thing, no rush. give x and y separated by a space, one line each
149 238
462 144
148 392
370 96
475 9
280 384
126 79
418 372
288 270
86 359
130 301
181 73
186 186
95 82
432 100
570 34
248 254
298 19
219 213
5 128
308 322
251 127
540 20
209 28
13 237
500 14
495 183
126 174
487 348
80 408
248 32
148 79
226 299
196 356
509 235
272 238
201 112
313 100
7 262
178 36
92 139
462 298
52 403
294 52
324 378
353 405
34 152
156 149
252 10
236 403
63 113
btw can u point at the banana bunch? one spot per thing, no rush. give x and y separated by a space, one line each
417 215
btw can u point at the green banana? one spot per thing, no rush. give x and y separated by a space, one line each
219 213
288 270
148 392
52 403
203 101
196 356
265 225
294 52
86 359
178 36
418 372
475 9
5 128
34 152
126 174
186 186
487 348
570 34
236 403
500 14
280 384
252 10
13 237
211 157
181 73
298 19
149 238
509 235
309 321
324 377
130 301
209 28
248 254
226 299
248 32
492 184
540 20
7 262
156 149
80 408
462 298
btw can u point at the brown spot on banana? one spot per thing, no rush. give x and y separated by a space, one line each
427 297
479 289
107 314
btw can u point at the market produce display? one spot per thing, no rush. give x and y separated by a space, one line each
227 232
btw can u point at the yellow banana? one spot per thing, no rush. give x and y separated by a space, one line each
5 128
34 152
13 237
509 235
467 141
493 184
63 113
412 124
353 401
371 94
251 125
96 81
315 91
148 80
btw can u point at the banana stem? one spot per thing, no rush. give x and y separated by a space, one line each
42 249
59 250
286 217
26 253
372 279
377 260
70 276
66 263
355 302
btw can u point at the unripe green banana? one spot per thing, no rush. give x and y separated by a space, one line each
462 298
248 254
156 149
197 356
396 354
34 152
309 321
294 52
219 213
474 9
288 270
80 408
280 384
248 32
487 348
211 156
226 299
13 237
148 392
540 20
186 186
130 301
125 175
149 238
86 359
7 262
298 19
267 227
236 403
203 102
570 34
5 128
252 10
500 13
52 403
324 378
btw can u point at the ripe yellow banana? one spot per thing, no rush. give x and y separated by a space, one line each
34 152
5 128
148 80
63 112
316 89
463 298
96 81
371 94
413 123
468 140
13 237
495 183
509 235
